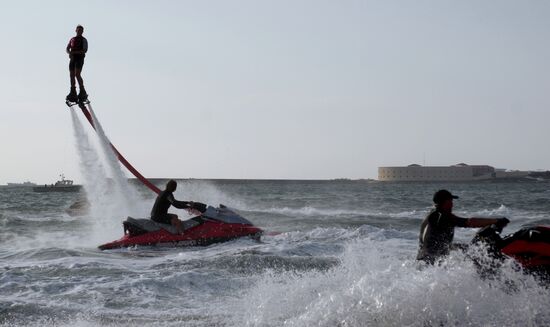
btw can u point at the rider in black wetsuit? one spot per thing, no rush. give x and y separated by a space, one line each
164 200
437 229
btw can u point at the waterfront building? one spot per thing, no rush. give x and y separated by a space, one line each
418 173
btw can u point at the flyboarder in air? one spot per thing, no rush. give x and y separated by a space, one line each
77 48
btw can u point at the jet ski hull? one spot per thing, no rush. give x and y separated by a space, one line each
214 226
530 246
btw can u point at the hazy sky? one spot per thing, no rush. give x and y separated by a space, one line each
279 89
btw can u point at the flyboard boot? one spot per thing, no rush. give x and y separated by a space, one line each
82 96
72 97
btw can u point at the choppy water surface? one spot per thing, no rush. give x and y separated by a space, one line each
344 257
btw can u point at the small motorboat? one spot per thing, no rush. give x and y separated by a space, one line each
212 226
62 185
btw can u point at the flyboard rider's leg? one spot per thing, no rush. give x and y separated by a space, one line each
72 96
82 96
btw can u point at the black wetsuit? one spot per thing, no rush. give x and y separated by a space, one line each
436 234
164 200
77 43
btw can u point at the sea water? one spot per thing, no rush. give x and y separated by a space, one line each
337 253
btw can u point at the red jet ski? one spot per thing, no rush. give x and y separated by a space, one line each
530 246
213 226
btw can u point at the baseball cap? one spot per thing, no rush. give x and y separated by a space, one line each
442 195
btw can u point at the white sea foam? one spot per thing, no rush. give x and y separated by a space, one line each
95 181
127 195
502 210
206 192
310 211
313 211
111 202
379 284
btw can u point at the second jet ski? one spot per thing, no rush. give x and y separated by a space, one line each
529 246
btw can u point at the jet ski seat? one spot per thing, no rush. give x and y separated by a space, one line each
138 226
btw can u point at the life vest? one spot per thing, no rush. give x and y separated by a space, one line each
77 43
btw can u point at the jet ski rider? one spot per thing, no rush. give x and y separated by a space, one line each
165 199
437 229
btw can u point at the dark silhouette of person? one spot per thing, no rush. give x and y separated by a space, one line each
437 229
165 199
77 48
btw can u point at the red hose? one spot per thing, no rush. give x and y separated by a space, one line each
121 157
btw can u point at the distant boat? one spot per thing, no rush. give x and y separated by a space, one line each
27 183
63 185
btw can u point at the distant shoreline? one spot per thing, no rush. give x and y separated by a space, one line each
160 181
